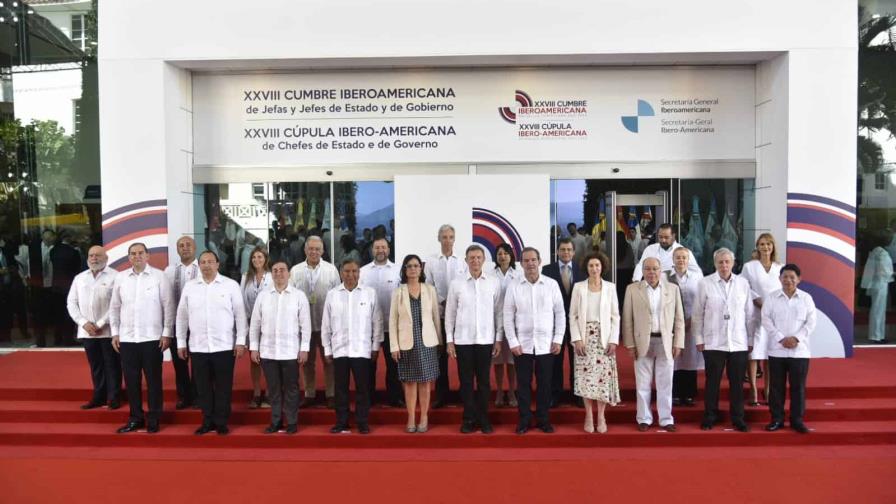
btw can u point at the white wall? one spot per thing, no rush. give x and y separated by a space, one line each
805 50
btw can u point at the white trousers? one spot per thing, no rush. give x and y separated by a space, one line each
877 318
647 366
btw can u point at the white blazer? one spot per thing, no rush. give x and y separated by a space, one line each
609 312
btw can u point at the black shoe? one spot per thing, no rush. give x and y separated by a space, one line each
741 427
364 428
114 404
687 401
643 427
669 427
131 427
204 429
487 428
292 428
801 428
580 403
339 428
705 425
522 427
92 404
152 427
773 426
222 430
438 404
181 404
554 404
676 401
396 404
880 342
270 429
467 427
546 427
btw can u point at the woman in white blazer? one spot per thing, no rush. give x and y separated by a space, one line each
594 333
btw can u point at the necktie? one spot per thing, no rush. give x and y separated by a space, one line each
564 275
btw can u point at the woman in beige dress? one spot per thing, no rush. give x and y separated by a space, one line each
594 332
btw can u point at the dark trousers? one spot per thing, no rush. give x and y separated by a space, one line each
41 313
139 360
394 391
557 376
359 367
64 329
213 374
736 365
684 384
105 369
186 386
442 381
543 368
282 377
474 362
795 370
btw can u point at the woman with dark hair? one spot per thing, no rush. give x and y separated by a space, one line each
415 334
594 333
256 279
505 271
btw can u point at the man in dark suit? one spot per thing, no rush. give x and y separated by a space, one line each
67 263
40 281
566 273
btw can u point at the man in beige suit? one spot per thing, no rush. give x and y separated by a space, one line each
653 333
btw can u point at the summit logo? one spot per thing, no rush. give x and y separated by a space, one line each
644 110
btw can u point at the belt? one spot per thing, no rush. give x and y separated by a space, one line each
656 335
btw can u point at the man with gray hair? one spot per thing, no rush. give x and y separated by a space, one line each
88 305
315 277
440 271
721 321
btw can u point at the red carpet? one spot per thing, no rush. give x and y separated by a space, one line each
50 449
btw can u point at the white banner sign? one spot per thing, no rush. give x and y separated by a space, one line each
484 209
469 116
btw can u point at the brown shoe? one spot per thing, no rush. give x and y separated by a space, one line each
669 428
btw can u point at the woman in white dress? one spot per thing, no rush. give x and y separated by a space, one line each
690 360
763 273
505 271
256 279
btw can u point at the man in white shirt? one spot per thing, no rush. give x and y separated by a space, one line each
211 308
653 333
663 248
315 277
141 314
534 324
789 318
351 333
279 340
179 275
88 305
566 273
722 325
474 332
440 271
384 276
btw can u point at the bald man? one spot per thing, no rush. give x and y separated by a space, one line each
179 275
88 306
